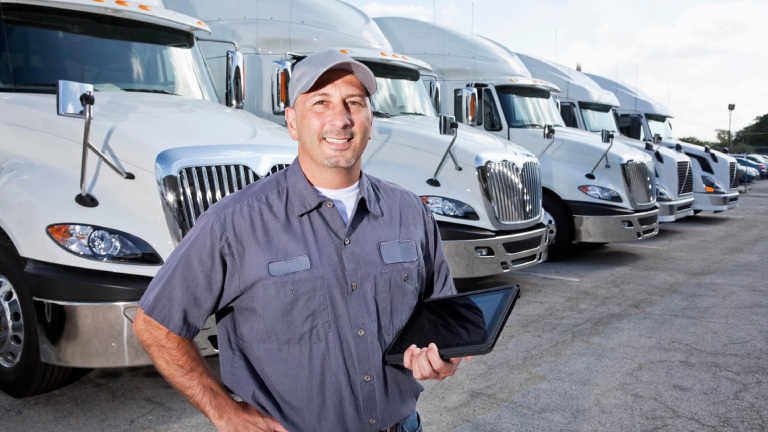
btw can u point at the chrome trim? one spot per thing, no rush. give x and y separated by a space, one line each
608 229
671 211
514 193
465 262
734 175
192 179
715 202
99 335
640 183
684 178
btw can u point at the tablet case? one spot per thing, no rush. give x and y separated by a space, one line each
465 324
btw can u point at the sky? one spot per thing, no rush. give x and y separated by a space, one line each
694 56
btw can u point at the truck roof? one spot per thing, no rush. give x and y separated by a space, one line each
298 26
149 11
574 84
455 55
631 99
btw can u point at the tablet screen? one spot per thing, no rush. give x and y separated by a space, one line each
460 325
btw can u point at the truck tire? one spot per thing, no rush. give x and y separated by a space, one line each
22 374
560 230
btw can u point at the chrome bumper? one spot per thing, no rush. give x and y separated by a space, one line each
715 202
616 228
486 257
670 211
98 335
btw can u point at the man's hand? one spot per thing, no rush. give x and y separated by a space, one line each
244 417
425 363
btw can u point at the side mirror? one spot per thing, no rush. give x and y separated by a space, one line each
656 139
707 149
448 125
606 135
466 105
280 78
649 146
679 147
726 150
235 95
68 98
434 95
549 131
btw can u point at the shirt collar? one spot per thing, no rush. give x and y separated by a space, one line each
308 199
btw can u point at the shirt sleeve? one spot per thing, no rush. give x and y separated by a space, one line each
188 288
438 275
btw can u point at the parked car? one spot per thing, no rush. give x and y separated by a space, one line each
755 161
747 174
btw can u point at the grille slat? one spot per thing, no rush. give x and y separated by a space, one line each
200 187
638 179
514 193
734 176
684 178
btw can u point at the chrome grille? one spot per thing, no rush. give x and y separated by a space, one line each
514 193
195 189
638 180
684 178
734 176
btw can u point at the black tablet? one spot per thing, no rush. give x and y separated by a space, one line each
461 325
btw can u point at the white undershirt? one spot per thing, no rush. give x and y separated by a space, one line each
343 199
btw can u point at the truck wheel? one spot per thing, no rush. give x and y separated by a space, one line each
22 373
560 228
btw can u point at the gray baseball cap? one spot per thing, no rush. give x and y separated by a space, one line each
307 71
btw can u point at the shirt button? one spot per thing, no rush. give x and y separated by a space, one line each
372 421
405 278
346 241
367 378
354 286
361 332
329 204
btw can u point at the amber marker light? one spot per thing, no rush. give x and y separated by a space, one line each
383 54
145 7
122 3
344 51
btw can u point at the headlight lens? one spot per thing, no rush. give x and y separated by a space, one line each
662 193
103 244
711 185
601 193
450 207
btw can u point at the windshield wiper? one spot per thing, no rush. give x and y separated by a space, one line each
411 113
381 114
528 125
150 91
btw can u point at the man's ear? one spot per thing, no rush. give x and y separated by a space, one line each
290 122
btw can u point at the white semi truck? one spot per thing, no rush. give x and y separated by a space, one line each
485 192
595 191
587 106
112 143
715 177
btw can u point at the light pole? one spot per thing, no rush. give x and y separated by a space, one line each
730 114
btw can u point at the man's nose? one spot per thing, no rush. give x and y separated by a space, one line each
341 116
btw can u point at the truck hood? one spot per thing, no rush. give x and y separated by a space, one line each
122 122
419 136
591 145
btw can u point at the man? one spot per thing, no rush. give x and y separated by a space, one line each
311 272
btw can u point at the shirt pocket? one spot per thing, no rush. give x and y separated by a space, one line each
397 292
292 311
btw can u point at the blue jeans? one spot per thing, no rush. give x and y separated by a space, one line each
412 423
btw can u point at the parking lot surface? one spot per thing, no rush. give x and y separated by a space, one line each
669 334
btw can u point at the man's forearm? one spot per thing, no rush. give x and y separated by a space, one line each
179 361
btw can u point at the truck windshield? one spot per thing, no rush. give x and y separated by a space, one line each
400 91
658 124
597 117
40 46
528 107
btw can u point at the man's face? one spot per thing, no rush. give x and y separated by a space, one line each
332 123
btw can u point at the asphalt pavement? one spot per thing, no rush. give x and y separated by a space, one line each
664 334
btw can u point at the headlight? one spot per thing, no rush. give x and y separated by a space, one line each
711 185
450 207
601 193
103 244
662 193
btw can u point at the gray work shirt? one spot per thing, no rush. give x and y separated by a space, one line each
306 305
